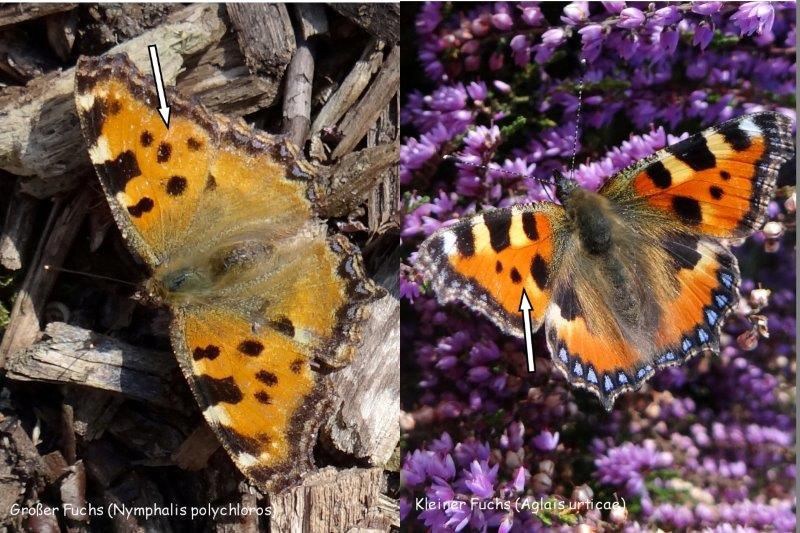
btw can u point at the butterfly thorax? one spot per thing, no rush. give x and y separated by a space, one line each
189 280
591 217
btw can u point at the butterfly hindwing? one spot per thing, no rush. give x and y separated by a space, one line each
488 259
689 312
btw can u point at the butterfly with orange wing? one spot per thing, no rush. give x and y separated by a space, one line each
630 279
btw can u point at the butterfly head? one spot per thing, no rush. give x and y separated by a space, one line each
564 187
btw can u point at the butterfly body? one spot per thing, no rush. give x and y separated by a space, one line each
259 294
629 279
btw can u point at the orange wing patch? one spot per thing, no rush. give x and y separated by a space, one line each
487 260
257 391
719 183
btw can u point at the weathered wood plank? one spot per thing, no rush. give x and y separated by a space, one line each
23 326
14 13
365 425
379 19
330 500
17 229
351 88
265 36
77 356
363 115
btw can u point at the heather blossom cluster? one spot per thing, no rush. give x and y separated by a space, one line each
503 89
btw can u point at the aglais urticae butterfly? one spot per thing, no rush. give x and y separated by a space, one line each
223 216
633 278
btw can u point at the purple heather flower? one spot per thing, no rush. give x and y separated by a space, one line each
554 37
502 86
613 7
666 16
546 441
478 91
754 17
630 18
480 479
532 15
502 21
706 8
575 13
703 35
591 38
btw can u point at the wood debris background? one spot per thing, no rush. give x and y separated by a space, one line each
93 409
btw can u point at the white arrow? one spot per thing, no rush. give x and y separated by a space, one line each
525 307
163 108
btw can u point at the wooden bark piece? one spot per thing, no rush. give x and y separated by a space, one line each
311 20
366 424
360 118
14 13
379 19
77 356
329 500
297 97
17 230
383 204
194 452
23 326
354 177
220 79
265 35
39 132
351 88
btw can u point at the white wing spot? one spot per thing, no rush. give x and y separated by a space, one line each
217 415
85 101
100 152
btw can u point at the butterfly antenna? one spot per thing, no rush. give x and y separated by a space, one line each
577 121
88 275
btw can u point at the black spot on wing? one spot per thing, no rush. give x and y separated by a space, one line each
296 366
498 267
540 271
95 117
529 226
498 222
164 152
193 144
515 276
219 390
211 183
120 170
465 241
716 192
283 325
209 352
688 210
114 107
725 175
267 378
659 175
567 301
144 205
736 137
146 138
176 185
682 249
263 397
250 347
694 152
